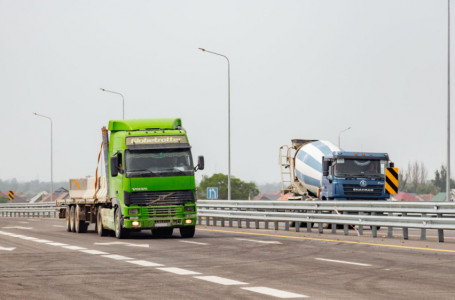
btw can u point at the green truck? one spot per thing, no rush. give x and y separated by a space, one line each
148 184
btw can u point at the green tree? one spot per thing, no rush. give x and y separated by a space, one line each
240 190
4 199
440 179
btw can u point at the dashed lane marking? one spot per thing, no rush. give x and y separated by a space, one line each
220 280
144 263
18 227
179 271
330 240
61 226
57 244
94 252
23 237
196 243
274 292
7 249
117 257
24 222
343 262
42 241
258 241
123 244
74 247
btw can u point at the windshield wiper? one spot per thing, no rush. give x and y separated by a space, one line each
174 170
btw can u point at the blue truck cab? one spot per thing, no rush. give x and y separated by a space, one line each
354 176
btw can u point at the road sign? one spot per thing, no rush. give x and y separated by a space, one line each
212 193
391 180
11 195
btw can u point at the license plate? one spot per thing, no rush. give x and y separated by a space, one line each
163 224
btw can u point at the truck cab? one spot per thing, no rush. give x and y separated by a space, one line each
354 176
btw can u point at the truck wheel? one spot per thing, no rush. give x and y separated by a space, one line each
162 232
187 232
67 217
79 224
99 224
120 232
72 219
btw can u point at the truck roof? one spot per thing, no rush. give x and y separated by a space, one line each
349 154
142 124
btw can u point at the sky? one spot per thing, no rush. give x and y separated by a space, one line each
299 69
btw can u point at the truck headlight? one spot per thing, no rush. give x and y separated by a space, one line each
133 211
135 223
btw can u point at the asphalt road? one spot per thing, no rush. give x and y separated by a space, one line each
39 260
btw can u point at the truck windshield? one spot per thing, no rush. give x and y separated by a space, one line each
344 167
157 163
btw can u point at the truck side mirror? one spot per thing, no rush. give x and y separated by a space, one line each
325 167
200 163
392 164
114 165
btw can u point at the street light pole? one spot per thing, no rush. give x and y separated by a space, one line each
448 103
52 172
123 99
229 118
339 145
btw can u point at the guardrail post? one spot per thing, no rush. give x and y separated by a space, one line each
440 232
423 231
286 226
266 224
199 220
374 229
247 223
207 221
256 223
405 229
345 226
360 226
390 229
334 225
214 221
230 220
275 225
297 226
239 222
320 225
222 222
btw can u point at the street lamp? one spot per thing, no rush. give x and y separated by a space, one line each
340 135
229 118
52 173
123 99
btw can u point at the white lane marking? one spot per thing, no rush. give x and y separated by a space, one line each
190 242
7 249
58 225
274 292
179 271
18 227
144 263
93 252
42 241
124 244
258 241
24 222
74 247
117 257
344 262
57 244
220 280
33 220
27 237
10 234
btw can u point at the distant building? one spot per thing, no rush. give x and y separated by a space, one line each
60 193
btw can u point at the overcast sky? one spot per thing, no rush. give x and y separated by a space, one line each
299 69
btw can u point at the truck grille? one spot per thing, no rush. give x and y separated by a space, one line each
161 212
161 198
370 190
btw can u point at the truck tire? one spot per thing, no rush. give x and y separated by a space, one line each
187 232
120 232
79 224
99 224
67 217
72 219
162 232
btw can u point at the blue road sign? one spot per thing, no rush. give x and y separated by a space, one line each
212 193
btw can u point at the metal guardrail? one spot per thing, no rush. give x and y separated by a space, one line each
42 210
405 215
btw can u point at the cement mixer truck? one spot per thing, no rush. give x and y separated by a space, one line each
315 169
148 182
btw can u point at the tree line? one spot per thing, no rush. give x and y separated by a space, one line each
414 180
